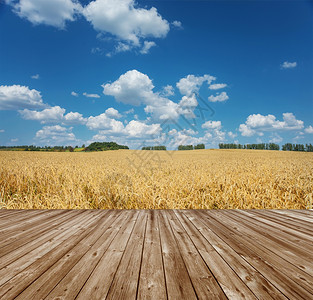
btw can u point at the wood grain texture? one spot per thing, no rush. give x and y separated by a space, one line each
156 254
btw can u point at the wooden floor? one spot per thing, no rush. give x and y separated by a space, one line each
156 254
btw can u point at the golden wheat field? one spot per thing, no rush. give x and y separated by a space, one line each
130 179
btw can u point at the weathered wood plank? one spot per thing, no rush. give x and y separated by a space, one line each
253 279
178 283
152 280
269 265
99 282
163 254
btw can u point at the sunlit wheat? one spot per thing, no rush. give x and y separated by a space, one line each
186 179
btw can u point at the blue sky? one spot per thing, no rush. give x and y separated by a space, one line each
155 72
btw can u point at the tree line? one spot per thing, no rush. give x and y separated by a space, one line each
154 148
191 147
261 146
96 146
269 146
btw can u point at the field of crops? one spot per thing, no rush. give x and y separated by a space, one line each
157 179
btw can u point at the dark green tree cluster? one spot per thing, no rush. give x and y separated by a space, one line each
38 148
199 146
261 146
98 146
154 148
297 147
191 147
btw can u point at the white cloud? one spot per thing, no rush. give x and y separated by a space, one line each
177 24
164 110
74 118
309 129
112 113
74 94
219 97
53 12
246 130
14 140
191 83
122 19
16 97
167 90
288 65
133 88
53 114
130 111
55 135
217 86
212 125
2 130
106 121
139 129
275 138
147 46
136 88
257 123
91 95
231 134
35 76
50 114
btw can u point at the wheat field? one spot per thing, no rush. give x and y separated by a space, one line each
128 179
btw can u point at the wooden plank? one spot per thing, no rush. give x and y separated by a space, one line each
288 221
291 213
178 282
94 270
260 258
203 281
33 217
286 254
281 238
231 284
19 282
22 263
14 252
28 226
152 280
103 230
30 240
253 279
125 282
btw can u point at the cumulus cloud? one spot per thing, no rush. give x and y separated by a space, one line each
54 114
212 125
35 76
74 94
309 129
257 123
288 65
217 86
106 121
55 135
219 97
177 24
91 95
275 138
133 88
167 90
146 47
2 130
231 134
16 97
122 19
53 12
191 83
